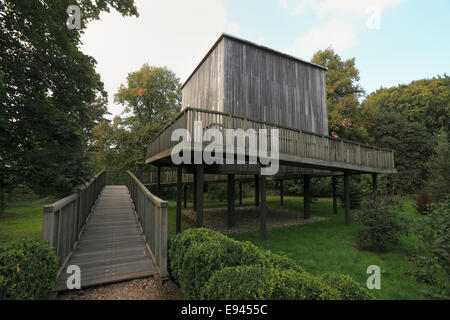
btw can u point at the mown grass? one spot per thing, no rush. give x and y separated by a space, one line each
22 219
320 247
330 246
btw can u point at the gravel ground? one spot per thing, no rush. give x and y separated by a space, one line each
141 289
247 219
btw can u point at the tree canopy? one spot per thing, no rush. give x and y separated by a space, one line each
50 94
425 101
343 91
152 97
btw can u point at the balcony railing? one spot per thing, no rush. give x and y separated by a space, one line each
292 142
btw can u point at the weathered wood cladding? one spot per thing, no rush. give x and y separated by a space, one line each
270 87
204 89
245 79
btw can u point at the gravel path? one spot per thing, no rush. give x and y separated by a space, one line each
141 289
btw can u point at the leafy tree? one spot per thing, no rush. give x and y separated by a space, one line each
343 92
431 257
424 101
152 97
412 145
47 89
439 168
382 226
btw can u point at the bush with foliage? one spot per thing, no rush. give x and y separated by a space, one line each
381 225
197 258
28 270
348 288
423 199
262 283
432 256
438 167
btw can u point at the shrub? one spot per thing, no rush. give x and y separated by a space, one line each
182 242
382 227
423 199
431 259
28 269
265 283
204 258
348 288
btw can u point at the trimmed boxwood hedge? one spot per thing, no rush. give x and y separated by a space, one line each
348 288
262 283
209 265
28 270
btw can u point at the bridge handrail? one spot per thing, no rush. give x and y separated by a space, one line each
65 219
153 217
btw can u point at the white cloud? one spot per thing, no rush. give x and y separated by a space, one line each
338 34
339 23
233 28
283 3
172 33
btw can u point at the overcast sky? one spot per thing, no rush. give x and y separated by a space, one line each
393 41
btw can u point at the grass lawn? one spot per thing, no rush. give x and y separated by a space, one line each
318 247
330 246
22 219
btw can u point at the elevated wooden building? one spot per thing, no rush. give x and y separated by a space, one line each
240 84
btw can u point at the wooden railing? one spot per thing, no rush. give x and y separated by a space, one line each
292 142
64 220
152 214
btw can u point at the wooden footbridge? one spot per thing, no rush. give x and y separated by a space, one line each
111 232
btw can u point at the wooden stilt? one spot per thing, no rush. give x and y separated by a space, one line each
195 190
263 208
347 197
257 190
374 182
281 192
306 197
240 193
179 195
158 182
335 209
185 195
230 195
199 194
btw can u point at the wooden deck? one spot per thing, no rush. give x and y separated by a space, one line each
111 248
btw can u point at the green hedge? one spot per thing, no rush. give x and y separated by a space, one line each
348 288
209 265
28 270
263 283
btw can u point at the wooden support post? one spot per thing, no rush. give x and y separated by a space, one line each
199 194
374 182
281 192
240 193
257 190
185 195
263 207
335 208
195 191
179 186
306 197
347 197
158 182
230 195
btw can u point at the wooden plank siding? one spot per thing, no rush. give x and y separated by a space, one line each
248 80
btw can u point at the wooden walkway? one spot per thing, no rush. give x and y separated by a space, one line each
111 248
